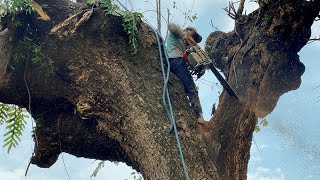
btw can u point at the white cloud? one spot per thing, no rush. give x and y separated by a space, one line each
18 174
309 177
264 146
11 175
255 158
262 173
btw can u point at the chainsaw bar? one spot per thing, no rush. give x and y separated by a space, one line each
223 82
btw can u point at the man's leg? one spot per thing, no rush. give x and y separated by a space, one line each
180 68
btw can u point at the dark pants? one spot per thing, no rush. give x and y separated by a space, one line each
179 67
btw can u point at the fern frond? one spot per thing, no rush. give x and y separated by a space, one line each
3 112
98 168
16 123
129 20
130 27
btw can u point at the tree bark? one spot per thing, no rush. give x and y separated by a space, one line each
103 102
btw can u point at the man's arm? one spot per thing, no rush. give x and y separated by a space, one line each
176 30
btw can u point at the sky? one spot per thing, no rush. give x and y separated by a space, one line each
287 149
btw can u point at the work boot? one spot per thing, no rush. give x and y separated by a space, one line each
201 121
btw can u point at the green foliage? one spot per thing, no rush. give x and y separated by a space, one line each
264 123
110 8
257 128
4 108
192 17
130 26
136 176
39 121
98 168
187 14
129 19
14 7
26 50
197 88
15 120
107 5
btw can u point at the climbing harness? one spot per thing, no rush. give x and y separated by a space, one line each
165 95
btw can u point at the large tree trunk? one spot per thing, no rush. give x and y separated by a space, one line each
103 102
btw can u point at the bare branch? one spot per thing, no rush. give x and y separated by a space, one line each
130 2
232 16
231 5
150 4
159 16
241 7
214 27
231 11
168 21
313 40
151 10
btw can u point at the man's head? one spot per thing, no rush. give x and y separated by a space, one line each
192 32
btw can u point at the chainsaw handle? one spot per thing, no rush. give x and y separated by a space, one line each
191 41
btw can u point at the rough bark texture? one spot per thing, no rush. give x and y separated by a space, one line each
103 102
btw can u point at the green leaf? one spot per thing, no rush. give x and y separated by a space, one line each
10 126
14 7
9 148
14 141
264 123
11 114
257 129
7 133
17 137
6 143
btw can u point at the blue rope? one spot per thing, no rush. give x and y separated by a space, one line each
167 101
165 93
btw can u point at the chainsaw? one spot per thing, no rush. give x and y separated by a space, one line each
199 62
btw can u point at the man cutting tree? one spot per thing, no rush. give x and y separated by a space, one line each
176 47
